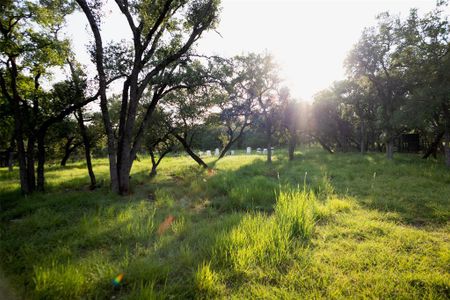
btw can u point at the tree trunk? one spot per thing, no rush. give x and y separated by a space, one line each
41 162
226 148
363 138
30 164
323 144
292 145
22 164
87 148
124 174
68 149
447 147
188 149
432 149
103 98
11 155
269 141
446 112
15 101
232 141
154 165
390 149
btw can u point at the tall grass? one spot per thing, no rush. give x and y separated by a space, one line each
295 213
262 240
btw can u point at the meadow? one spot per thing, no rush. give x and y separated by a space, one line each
331 226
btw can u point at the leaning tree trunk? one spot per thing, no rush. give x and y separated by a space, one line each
225 149
188 149
432 149
87 149
68 149
323 144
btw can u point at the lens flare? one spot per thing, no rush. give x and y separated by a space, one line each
118 280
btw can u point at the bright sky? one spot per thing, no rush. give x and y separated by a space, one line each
309 39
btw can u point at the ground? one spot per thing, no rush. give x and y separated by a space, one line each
324 226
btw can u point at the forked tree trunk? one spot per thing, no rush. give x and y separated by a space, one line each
68 149
232 141
156 162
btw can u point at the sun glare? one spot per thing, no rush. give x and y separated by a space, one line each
309 39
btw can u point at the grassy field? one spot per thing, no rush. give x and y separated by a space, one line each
325 226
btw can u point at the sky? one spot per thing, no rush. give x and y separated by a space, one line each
309 39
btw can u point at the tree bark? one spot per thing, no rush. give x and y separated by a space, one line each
363 138
323 144
67 151
447 147
432 149
292 145
232 141
103 99
446 112
188 149
30 164
155 163
11 155
41 162
87 148
390 149
269 140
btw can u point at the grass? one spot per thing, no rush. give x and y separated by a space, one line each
324 226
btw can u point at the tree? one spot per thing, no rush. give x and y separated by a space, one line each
238 100
189 111
424 48
163 33
291 121
374 57
29 46
263 87
158 139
